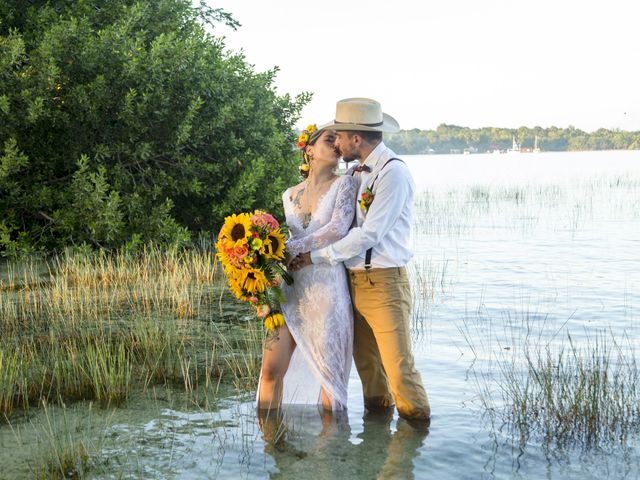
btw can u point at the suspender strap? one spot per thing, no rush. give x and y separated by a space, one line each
367 258
369 252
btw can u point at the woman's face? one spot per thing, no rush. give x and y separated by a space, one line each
324 151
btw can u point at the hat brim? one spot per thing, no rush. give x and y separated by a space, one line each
389 125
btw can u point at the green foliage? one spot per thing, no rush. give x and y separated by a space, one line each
129 121
448 138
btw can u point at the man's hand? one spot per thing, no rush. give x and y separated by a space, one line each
287 260
300 261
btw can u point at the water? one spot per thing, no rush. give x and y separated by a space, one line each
509 248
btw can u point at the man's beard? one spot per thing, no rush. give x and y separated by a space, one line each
350 157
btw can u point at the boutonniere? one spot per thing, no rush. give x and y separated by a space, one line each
365 199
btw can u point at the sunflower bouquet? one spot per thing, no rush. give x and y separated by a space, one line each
250 247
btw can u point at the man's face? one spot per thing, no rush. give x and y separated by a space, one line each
347 146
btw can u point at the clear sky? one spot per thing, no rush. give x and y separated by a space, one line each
475 63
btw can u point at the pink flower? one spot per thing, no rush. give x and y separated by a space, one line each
262 219
272 222
240 252
263 310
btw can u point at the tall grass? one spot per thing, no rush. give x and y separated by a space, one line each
10 372
243 356
588 394
459 211
109 369
64 455
95 326
66 442
80 287
561 392
430 280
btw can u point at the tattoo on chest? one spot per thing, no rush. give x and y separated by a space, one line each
297 200
306 219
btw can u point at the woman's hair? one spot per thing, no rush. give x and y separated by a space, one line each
309 136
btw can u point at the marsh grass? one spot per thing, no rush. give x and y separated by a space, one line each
10 373
459 211
95 326
64 454
556 389
101 327
243 356
109 368
588 394
64 443
431 280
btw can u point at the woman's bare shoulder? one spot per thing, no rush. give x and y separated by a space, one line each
294 189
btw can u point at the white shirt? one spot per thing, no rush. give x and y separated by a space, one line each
386 226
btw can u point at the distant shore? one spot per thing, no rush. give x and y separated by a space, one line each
453 139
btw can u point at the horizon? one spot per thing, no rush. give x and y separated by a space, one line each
522 126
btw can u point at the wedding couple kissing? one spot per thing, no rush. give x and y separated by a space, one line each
347 252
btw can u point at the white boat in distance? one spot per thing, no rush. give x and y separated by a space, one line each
515 148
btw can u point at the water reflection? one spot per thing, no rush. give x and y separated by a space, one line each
305 439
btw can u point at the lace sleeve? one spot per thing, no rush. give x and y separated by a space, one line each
341 219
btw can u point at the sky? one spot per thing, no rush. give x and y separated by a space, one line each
473 63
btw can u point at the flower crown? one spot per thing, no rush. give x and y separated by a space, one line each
305 136
303 140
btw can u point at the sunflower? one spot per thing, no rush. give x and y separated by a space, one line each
236 228
274 321
224 251
273 247
253 280
235 287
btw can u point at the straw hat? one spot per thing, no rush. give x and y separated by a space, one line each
361 114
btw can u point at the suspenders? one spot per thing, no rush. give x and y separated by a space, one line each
369 252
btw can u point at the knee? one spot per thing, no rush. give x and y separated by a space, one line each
272 372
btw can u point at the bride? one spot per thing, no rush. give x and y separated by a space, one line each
309 358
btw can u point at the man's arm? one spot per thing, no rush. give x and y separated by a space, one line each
392 193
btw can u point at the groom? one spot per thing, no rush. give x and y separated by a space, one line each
375 253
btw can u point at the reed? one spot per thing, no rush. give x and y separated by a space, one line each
153 346
562 392
10 372
430 280
242 352
461 210
69 444
92 326
587 393
109 369
91 286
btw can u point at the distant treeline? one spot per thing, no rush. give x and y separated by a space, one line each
454 139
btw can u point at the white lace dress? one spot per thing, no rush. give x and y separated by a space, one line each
318 307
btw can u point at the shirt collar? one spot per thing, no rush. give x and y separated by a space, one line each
375 156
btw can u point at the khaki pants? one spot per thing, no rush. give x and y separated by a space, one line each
382 346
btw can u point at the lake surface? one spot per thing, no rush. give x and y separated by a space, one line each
513 251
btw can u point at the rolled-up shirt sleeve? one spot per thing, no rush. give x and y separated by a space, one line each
392 189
